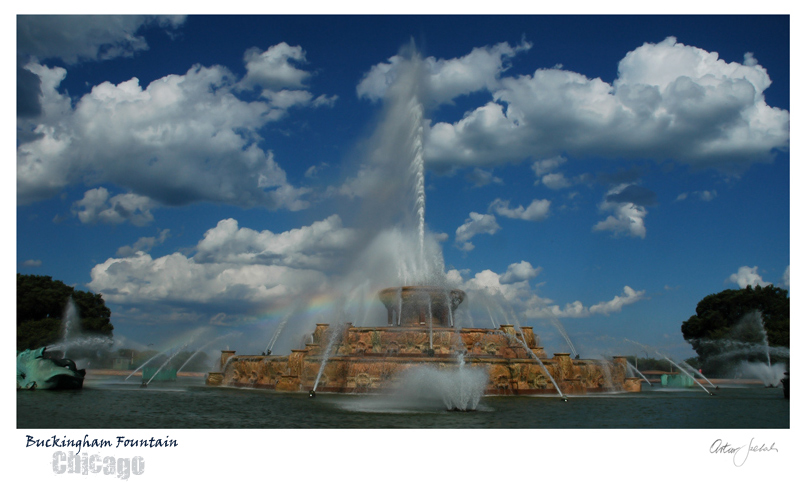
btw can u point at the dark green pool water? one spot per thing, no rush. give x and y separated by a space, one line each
188 403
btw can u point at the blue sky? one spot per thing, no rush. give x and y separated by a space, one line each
220 173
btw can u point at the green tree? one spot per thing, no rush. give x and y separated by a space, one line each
728 326
41 303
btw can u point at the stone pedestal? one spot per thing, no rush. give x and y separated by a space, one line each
223 359
214 378
632 384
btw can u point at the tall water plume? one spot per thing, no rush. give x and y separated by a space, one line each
404 102
418 169
70 324
745 351
391 178
387 205
751 329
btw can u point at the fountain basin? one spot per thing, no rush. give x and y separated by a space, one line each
377 359
510 370
421 305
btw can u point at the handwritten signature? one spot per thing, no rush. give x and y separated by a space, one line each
740 453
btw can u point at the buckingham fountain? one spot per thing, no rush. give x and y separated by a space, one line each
421 333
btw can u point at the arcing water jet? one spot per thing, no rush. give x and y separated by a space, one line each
165 363
687 374
334 336
201 349
696 372
561 329
635 370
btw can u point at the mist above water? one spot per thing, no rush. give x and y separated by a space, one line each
770 375
427 388
747 353
455 389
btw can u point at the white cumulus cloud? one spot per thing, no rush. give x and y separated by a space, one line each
181 139
231 266
704 195
542 308
522 271
475 224
98 207
143 245
627 218
747 276
546 166
275 69
537 210
176 278
513 287
669 101
555 180
445 79
490 282
615 305
310 247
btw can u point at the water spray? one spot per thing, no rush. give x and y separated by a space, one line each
636 370
539 361
430 324
146 362
200 349
557 324
696 372
70 319
165 363
332 339
279 329
688 375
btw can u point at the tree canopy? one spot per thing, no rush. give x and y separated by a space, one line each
732 325
41 303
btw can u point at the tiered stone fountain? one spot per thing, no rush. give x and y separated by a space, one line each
421 332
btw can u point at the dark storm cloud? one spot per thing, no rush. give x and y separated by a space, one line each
622 176
73 38
28 93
